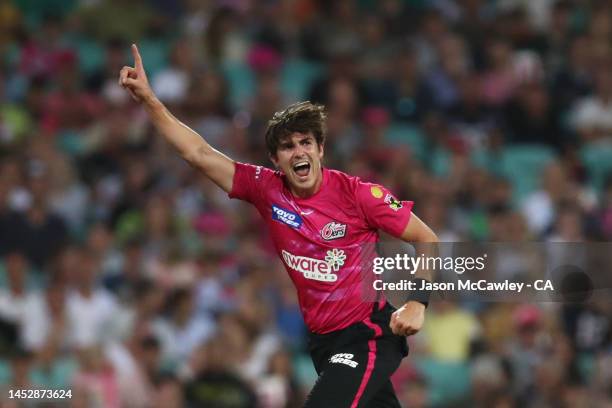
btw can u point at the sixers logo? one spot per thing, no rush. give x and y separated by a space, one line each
333 230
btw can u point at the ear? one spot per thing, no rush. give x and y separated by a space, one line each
274 159
321 150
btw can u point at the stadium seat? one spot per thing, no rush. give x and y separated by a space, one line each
304 370
297 76
90 53
448 381
522 165
440 162
241 82
598 160
156 52
409 135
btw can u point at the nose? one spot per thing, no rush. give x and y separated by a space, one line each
300 151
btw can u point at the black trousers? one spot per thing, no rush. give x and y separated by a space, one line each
354 364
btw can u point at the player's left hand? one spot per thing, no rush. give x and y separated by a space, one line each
408 319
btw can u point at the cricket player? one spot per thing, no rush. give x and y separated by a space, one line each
322 223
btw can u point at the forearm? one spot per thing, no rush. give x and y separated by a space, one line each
186 141
428 249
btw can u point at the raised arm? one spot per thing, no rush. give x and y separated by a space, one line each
190 145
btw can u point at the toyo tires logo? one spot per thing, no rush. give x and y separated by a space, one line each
286 217
316 269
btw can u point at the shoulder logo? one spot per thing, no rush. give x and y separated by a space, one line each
286 217
394 204
376 192
333 230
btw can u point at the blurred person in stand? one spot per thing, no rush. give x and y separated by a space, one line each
429 37
182 330
605 212
36 230
96 383
532 117
539 208
573 80
526 350
377 50
46 334
450 332
498 81
489 381
114 57
173 82
442 80
129 275
592 115
277 387
470 117
70 106
137 362
343 107
409 100
206 105
413 391
94 316
43 51
214 382
20 379
169 393
17 297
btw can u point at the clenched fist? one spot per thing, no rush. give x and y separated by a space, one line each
134 79
408 319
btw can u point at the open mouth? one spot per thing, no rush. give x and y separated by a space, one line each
302 169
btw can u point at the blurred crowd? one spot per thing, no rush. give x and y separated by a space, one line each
131 280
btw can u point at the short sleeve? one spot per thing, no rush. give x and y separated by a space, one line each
382 210
249 182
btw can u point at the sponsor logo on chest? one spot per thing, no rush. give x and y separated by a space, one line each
316 269
333 230
286 217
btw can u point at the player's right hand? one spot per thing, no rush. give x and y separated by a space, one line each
134 79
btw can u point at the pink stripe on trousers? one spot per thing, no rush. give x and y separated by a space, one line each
371 361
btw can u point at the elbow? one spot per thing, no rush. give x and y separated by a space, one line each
196 157
429 237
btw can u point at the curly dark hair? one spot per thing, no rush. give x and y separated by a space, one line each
302 117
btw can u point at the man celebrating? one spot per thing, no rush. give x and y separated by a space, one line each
322 222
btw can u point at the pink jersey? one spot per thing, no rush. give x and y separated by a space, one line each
325 241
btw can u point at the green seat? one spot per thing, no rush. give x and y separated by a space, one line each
297 76
5 372
304 370
155 53
448 381
90 53
523 165
408 135
598 160
241 82
440 162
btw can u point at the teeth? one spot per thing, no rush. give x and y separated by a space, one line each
302 163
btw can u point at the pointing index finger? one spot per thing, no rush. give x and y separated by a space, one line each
137 58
